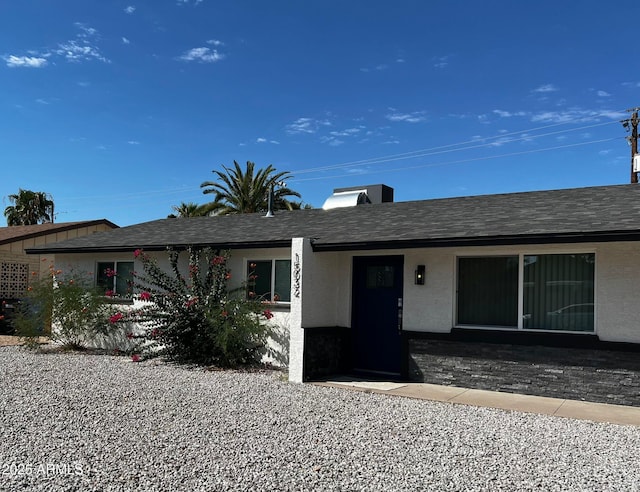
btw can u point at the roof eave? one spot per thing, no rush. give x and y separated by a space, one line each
577 237
158 247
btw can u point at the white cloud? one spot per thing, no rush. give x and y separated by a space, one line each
81 49
133 142
76 52
333 141
42 101
415 117
202 55
545 88
125 40
305 125
604 152
187 2
345 133
264 140
576 116
25 61
215 42
441 61
603 94
85 31
130 9
508 114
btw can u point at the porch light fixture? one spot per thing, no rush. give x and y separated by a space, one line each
420 273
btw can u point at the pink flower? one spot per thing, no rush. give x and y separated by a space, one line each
191 302
227 275
137 253
155 333
115 318
224 314
267 314
135 358
129 335
109 293
110 273
145 296
218 260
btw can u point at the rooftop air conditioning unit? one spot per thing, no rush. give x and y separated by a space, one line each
636 163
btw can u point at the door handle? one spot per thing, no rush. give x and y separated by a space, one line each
399 314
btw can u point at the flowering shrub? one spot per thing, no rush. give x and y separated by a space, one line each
65 302
196 319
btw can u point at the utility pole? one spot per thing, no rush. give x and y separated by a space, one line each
632 123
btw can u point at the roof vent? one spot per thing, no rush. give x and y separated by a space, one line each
357 195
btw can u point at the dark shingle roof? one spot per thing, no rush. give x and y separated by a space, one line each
602 213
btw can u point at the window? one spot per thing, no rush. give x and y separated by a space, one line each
488 291
553 292
270 280
558 292
116 277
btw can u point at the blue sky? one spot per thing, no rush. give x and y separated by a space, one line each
120 109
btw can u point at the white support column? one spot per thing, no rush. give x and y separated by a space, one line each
299 246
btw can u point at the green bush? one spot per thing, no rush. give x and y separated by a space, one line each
196 319
65 306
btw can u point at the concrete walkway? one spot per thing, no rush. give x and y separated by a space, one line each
598 412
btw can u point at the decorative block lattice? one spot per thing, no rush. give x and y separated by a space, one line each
14 280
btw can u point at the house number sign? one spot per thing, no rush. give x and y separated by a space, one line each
296 276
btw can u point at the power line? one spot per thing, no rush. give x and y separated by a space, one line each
462 161
422 152
427 152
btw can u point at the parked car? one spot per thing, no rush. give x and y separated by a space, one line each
7 315
577 317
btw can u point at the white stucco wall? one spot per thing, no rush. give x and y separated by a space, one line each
618 292
431 307
325 286
278 348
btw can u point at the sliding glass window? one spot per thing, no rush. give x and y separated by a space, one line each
558 292
555 291
488 291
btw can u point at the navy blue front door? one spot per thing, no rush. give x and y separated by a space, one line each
377 288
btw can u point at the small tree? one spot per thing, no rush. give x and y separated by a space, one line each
196 319
68 304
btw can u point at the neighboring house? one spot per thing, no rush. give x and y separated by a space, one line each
16 267
358 284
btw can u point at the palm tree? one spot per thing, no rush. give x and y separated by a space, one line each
29 208
190 209
238 191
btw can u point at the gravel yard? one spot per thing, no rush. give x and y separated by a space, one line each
97 422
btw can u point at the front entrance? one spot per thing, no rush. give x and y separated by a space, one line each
377 314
